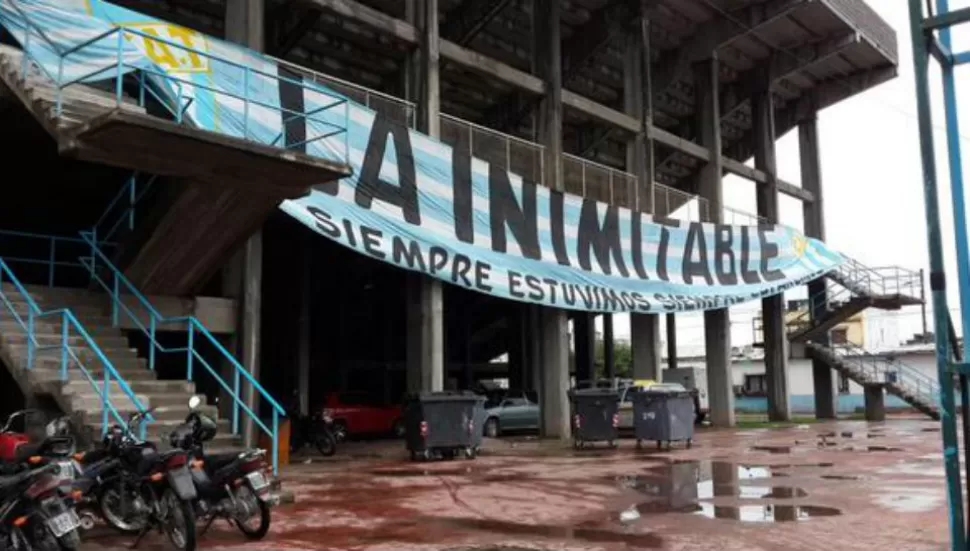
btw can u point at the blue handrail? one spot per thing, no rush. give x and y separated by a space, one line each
56 245
70 327
176 85
104 230
120 285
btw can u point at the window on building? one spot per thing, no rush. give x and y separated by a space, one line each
843 384
840 335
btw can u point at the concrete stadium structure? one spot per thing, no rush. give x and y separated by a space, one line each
646 104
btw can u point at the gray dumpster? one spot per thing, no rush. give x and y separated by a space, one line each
444 424
663 416
595 416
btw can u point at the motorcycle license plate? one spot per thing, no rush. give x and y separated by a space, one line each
258 480
66 471
64 523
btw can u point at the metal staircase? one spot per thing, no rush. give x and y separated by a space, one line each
849 290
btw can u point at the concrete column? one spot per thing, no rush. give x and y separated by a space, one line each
517 347
553 401
425 339
773 307
245 25
303 327
609 347
671 341
814 220
645 341
638 102
547 61
717 323
875 402
584 346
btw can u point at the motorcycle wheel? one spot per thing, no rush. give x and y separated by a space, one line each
180 521
109 505
326 443
260 530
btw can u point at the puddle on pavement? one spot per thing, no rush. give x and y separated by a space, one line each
685 487
766 513
930 429
582 533
840 477
420 472
772 449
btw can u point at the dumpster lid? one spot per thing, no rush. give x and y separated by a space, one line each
594 393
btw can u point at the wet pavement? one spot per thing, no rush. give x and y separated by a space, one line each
847 485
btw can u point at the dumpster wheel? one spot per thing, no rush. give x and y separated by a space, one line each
578 444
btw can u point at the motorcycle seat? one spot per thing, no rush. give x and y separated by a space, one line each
8 483
216 461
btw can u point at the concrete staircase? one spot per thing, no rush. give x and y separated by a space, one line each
78 396
80 103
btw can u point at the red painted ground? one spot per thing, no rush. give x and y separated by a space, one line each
844 486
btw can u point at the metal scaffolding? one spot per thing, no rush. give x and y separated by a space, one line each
932 36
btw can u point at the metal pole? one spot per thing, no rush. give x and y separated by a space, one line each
956 180
951 450
922 298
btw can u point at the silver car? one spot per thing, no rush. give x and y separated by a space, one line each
510 415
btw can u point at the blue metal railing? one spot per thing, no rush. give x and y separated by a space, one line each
121 210
56 245
71 330
177 86
119 287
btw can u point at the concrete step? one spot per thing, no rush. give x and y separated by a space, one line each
76 374
67 295
45 339
79 311
140 386
116 355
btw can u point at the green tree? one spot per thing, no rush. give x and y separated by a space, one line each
622 359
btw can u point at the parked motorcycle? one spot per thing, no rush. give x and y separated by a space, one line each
33 514
146 488
317 430
232 486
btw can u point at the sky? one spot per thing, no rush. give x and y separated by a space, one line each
871 180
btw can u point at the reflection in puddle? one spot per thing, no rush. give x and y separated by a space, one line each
685 487
582 533
841 477
772 449
766 513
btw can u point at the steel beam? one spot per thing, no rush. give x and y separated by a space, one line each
464 23
949 19
717 33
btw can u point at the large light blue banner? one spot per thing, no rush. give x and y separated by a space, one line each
424 206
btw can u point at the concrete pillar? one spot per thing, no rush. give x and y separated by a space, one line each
425 336
303 327
814 220
425 339
517 347
245 25
547 63
875 397
773 307
645 341
638 103
717 323
553 401
671 341
584 346
609 347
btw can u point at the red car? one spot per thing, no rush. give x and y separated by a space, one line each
356 413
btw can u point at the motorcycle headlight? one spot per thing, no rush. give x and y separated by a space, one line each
327 418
